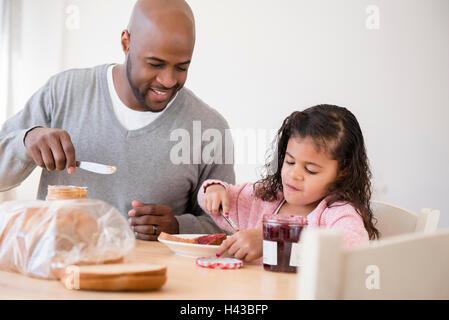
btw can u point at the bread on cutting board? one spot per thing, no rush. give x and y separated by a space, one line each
41 238
115 277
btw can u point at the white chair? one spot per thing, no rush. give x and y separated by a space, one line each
412 266
393 220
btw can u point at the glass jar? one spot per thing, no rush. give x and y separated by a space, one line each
281 234
66 193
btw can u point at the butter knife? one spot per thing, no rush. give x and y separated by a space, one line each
96 167
229 221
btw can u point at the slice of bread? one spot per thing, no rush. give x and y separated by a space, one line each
209 239
115 277
170 237
113 270
123 283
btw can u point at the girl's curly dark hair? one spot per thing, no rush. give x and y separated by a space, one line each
336 130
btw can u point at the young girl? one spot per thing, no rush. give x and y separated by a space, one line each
320 171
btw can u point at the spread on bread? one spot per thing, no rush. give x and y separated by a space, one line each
210 239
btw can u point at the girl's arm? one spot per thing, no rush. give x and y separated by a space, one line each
236 197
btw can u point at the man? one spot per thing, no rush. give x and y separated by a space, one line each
123 115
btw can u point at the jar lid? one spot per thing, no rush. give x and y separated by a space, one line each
219 263
285 219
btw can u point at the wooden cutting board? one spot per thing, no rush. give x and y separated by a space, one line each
115 277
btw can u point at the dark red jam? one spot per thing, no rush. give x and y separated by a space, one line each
280 232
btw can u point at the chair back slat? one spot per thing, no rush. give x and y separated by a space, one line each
393 220
411 266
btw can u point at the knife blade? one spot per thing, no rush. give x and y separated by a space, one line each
229 221
96 167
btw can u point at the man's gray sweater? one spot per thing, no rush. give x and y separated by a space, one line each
147 159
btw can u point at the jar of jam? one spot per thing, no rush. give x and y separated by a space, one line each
65 193
280 241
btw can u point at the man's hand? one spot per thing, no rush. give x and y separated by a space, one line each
51 149
244 245
149 220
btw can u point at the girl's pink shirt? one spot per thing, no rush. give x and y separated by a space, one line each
247 211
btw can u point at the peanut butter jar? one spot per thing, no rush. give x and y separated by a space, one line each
66 193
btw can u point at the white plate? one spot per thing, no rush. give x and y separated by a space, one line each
191 250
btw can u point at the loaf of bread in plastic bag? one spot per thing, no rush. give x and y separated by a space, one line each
41 238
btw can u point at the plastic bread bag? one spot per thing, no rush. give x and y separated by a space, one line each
41 238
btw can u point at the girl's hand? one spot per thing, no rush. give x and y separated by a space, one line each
216 196
244 245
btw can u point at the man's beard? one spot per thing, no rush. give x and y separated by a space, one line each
140 98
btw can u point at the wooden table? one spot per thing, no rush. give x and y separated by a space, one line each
186 281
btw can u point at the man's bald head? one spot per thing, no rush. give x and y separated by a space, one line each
171 15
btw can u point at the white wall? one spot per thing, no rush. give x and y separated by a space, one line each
35 55
257 60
